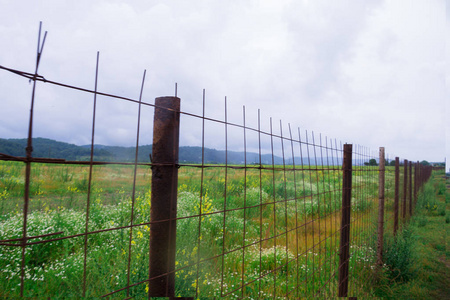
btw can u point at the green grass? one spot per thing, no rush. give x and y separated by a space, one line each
417 262
272 221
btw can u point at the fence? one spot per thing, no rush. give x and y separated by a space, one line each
298 218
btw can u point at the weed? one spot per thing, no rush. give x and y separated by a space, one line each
398 257
427 198
421 221
440 188
268 233
64 175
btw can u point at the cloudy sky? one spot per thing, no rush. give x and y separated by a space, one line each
364 72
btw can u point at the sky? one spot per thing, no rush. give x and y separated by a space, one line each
369 73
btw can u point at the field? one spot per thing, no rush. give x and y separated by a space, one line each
241 232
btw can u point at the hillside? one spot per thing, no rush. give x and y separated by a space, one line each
47 148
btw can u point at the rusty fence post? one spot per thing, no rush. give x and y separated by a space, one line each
419 177
381 177
405 189
416 181
396 195
163 212
344 249
410 189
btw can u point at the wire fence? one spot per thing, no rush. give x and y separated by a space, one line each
299 217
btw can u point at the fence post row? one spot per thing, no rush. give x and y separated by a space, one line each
163 212
380 208
345 221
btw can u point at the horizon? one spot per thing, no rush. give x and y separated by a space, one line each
287 157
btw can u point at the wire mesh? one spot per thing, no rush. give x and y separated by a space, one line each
261 224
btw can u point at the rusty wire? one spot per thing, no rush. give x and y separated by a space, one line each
316 242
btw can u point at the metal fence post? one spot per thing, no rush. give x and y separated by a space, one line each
419 177
380 208
410 189
344 249
405 181
396 196
416 181
166 127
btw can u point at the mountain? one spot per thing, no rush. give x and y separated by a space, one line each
47 148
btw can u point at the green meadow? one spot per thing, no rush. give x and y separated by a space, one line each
242 232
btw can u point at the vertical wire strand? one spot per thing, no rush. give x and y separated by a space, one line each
358 238
90 178
245 204
366 193
337 207
274 212
285 208
29 150
224 201
325 216
365 203
312 214
296 208
331 213
318 194
359 215
201 198
260 204
362 234
333 220
305 214
133 194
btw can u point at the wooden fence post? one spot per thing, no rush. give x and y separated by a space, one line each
163 212
344 249
416 181
381 178
405 189
396 196
410 189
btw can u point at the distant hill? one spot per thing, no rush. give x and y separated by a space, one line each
50 149
47 148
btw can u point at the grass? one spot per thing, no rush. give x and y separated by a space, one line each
243 233
417 262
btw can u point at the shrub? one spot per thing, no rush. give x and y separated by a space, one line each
398 257
421 221
441 189
427 199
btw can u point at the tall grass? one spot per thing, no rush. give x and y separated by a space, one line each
243 235
413 261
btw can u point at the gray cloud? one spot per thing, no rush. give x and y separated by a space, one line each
369 73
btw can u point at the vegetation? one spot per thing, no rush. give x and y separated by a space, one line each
417 260
424 163
372 162
265 248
